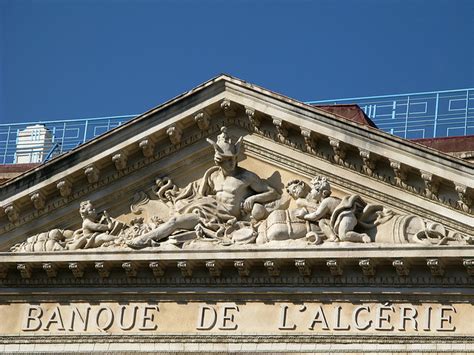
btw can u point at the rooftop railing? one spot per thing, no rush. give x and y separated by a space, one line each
66 135
419 115
415 115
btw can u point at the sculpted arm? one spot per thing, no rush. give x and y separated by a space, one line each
321 211
95 227
264 192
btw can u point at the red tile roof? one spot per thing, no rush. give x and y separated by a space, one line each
351 111
449 144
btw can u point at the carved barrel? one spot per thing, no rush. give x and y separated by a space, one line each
399 229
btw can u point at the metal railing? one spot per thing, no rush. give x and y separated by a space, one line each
415 115
67 134
419 115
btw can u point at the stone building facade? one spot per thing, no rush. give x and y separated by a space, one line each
234 219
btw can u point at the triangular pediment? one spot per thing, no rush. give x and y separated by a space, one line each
283 140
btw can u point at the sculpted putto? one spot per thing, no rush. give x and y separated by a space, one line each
94 233
338 218
231 205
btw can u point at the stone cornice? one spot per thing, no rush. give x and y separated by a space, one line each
146 139
345 265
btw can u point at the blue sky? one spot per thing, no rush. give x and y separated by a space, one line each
90 58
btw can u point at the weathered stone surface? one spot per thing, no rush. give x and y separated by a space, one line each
289 229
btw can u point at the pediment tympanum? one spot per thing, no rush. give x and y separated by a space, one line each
233 217
230 205
171 179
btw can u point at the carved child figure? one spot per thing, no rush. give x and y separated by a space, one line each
93 233
299 191
289 224
336 218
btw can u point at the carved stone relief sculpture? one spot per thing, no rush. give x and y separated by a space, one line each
231 205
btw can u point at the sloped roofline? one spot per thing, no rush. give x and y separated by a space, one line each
224 78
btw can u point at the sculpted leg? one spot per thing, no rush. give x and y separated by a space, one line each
347 234
187 222
101 239
327 230
78 243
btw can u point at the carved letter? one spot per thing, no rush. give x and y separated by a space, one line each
122 316
284 319
84 320
35 318
109 320
202 317
445 318
337 319
404 317
427 319
55 318
319 317
148 318
228 318
380 318
355 318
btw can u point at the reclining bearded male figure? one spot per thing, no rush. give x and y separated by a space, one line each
227 195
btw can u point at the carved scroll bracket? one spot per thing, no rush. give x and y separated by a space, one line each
228 109
272 267
465 201
157 268
309 140
402 267
369 161
282 130
12 213
214 268
431 185
243 267
77 269
50 269
335 267
102 268
147 147
186 268
65 187
25 270
367 266
175 133
304 267
339 151
120 160
92 173
130 268
400 172
469 265
202 120
38 199
255 121
436 266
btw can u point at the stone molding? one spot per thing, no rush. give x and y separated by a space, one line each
378 266
279 122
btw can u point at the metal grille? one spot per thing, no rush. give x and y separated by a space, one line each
415 115
67 134
419 115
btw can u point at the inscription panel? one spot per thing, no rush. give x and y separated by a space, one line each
237 318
